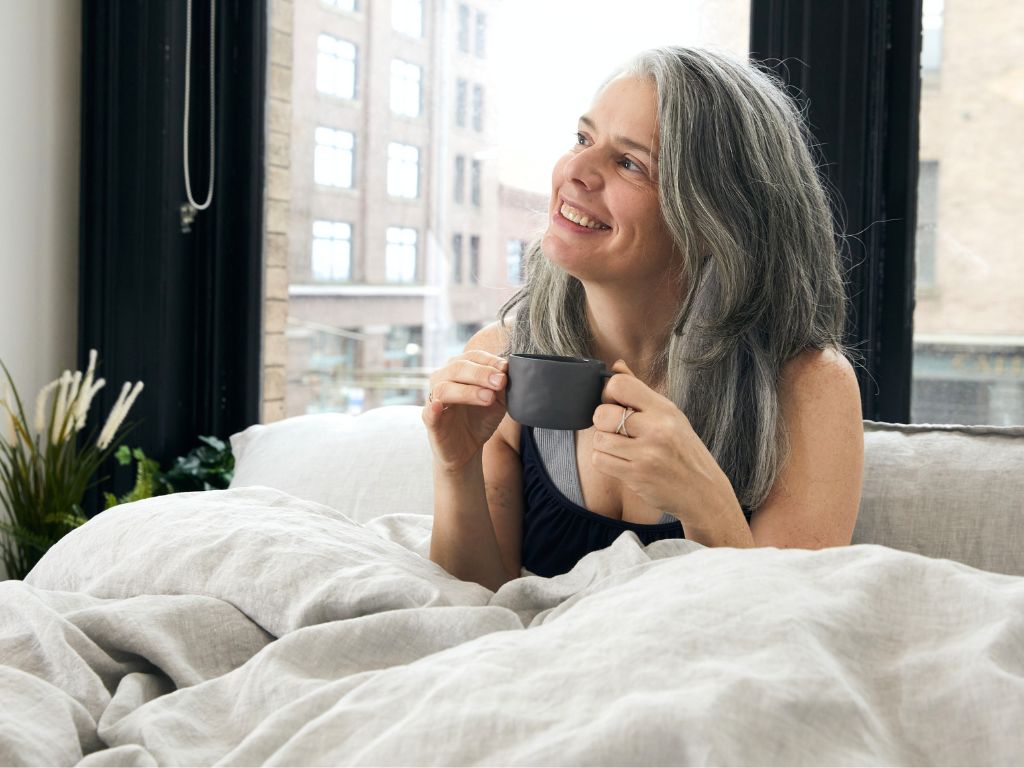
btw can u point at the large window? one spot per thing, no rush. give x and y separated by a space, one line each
334 157
336 67
403 170
969 311
400 255
332 250
415 149
407 17
405 88
457 258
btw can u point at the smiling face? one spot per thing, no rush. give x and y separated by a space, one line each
605 221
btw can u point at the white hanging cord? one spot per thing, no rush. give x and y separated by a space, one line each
188 78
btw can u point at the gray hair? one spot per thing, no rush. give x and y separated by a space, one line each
741 196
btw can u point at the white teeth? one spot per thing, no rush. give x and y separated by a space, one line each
580 218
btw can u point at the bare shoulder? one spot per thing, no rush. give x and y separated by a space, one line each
816 495
491 338
819 376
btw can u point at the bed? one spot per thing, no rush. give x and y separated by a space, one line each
294 619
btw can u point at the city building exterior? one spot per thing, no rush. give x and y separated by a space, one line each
969 316
395 248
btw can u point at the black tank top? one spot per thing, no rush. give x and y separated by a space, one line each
556 531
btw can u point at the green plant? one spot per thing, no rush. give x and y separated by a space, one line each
46 471
205 468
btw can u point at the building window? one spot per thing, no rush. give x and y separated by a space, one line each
400 255
463 34
478 107
407 17
931 35
474 185
461 87
459 182
405 88
332 250
343 5
403 170
474 259
333 158
927 223
457 258
336 67
481 34
515 250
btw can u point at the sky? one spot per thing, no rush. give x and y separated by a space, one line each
552 55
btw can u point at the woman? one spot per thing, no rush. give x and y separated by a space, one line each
689 247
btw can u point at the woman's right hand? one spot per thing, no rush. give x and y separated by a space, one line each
465 406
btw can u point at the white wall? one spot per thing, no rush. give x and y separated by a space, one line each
40 67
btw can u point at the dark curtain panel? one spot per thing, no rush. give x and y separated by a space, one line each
855 65
175 306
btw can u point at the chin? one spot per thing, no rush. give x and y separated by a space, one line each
571 260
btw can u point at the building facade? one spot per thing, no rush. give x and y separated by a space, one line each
395 253
969 315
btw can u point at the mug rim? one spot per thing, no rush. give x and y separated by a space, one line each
555 358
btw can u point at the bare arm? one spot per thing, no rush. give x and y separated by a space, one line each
815 498
477 489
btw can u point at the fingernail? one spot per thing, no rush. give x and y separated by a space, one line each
485 395
496 379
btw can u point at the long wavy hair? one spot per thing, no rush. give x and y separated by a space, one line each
741 196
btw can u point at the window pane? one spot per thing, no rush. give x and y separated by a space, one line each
408 164
400 256
405 88
463 35
969 312
333 157
336 67
403 170
332 250
481 34
457 258
407 17
514 261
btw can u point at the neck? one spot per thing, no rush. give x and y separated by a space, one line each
634 326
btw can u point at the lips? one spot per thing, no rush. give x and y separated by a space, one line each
581 216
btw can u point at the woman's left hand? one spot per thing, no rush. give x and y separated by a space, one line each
656 453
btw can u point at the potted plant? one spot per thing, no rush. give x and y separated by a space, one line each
46 467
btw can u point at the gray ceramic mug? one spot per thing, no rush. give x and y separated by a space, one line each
554 392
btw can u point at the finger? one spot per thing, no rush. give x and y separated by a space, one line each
619 366
483 357
470 372
608 418
450 393
626 389
431 413
609 463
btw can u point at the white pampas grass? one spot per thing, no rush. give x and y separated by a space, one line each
124 402
41 399
87 392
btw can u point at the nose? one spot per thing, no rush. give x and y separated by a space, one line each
581 167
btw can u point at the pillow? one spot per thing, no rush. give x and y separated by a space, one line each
945 491
365 466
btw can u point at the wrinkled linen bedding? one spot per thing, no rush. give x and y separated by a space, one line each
250 627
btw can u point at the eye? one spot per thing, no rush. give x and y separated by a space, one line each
629 165
580 138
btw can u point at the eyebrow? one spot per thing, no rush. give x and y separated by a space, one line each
625 140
